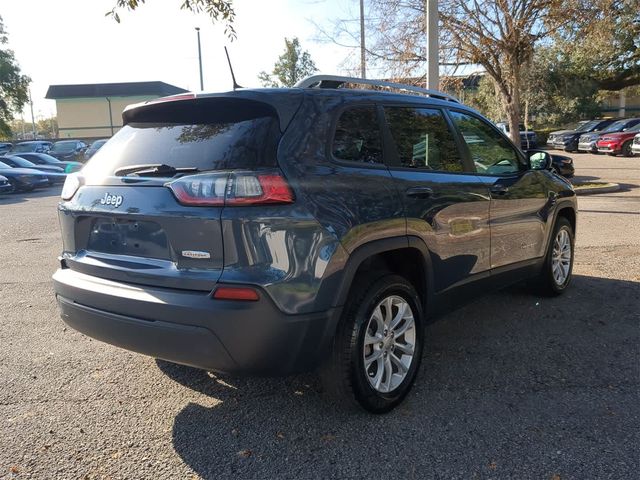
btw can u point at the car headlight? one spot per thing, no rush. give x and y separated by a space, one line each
71 185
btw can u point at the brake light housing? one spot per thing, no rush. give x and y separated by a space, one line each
72 184
232 189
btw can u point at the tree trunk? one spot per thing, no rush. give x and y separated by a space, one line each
513 117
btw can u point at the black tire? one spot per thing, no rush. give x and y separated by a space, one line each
23 189
626 149
343 374
546 280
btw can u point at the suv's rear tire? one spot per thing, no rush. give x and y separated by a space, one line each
557 271
377 348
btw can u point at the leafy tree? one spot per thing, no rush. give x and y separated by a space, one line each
486 101
48 127
503 36
292 66
605 50
13 85
216 9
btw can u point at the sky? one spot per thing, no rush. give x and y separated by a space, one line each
72 42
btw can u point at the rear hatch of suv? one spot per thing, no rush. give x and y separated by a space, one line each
146 208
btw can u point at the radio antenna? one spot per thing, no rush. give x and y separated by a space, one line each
233 77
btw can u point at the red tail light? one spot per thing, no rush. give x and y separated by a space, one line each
258 189
238 188
236 293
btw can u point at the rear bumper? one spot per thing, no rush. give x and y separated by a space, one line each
635 147
193 329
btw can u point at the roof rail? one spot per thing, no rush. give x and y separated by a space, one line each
335 81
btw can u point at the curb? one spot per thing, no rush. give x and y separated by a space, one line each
605 188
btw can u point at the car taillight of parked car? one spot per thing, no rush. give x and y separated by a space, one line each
72 183
238 188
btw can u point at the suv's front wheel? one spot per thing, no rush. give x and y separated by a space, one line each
378 345
558 267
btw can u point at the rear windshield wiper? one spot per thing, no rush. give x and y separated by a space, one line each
153 170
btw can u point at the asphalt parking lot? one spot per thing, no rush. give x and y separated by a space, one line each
511 386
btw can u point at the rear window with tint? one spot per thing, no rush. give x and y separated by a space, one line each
216 139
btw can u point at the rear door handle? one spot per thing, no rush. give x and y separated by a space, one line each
419 192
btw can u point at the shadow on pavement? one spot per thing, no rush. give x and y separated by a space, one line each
19 197
512 385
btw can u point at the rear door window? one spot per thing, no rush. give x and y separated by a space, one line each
357 136
235 135
423 139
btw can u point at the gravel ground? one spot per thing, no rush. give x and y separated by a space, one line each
511 386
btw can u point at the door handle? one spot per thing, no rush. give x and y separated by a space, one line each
419 192
499 190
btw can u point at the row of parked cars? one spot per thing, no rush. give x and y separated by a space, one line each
26 166
611 136
73 150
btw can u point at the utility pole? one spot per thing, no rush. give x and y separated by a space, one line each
432 45
363 58
33 121
200 59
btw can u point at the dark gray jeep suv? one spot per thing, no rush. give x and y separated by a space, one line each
273 231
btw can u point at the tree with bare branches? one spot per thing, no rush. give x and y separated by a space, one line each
500 37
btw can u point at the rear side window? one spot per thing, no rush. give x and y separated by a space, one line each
423 139
191 136
357 137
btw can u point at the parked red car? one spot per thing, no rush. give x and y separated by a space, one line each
619 142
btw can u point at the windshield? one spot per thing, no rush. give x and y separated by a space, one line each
97 144
4 165
237 143
615 126
63 147
588 126
21 162
25 147
44 158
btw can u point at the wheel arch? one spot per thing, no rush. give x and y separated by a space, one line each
407 256
568 212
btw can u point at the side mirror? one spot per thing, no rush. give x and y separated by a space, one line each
539 160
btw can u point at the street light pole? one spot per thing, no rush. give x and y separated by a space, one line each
200 59
432 44
363 58
33 121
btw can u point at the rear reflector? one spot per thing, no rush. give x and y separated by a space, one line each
236 293
237 188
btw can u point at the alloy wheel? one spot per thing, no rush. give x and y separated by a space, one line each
389 344
561 257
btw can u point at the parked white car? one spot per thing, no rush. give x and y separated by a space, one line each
635 146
